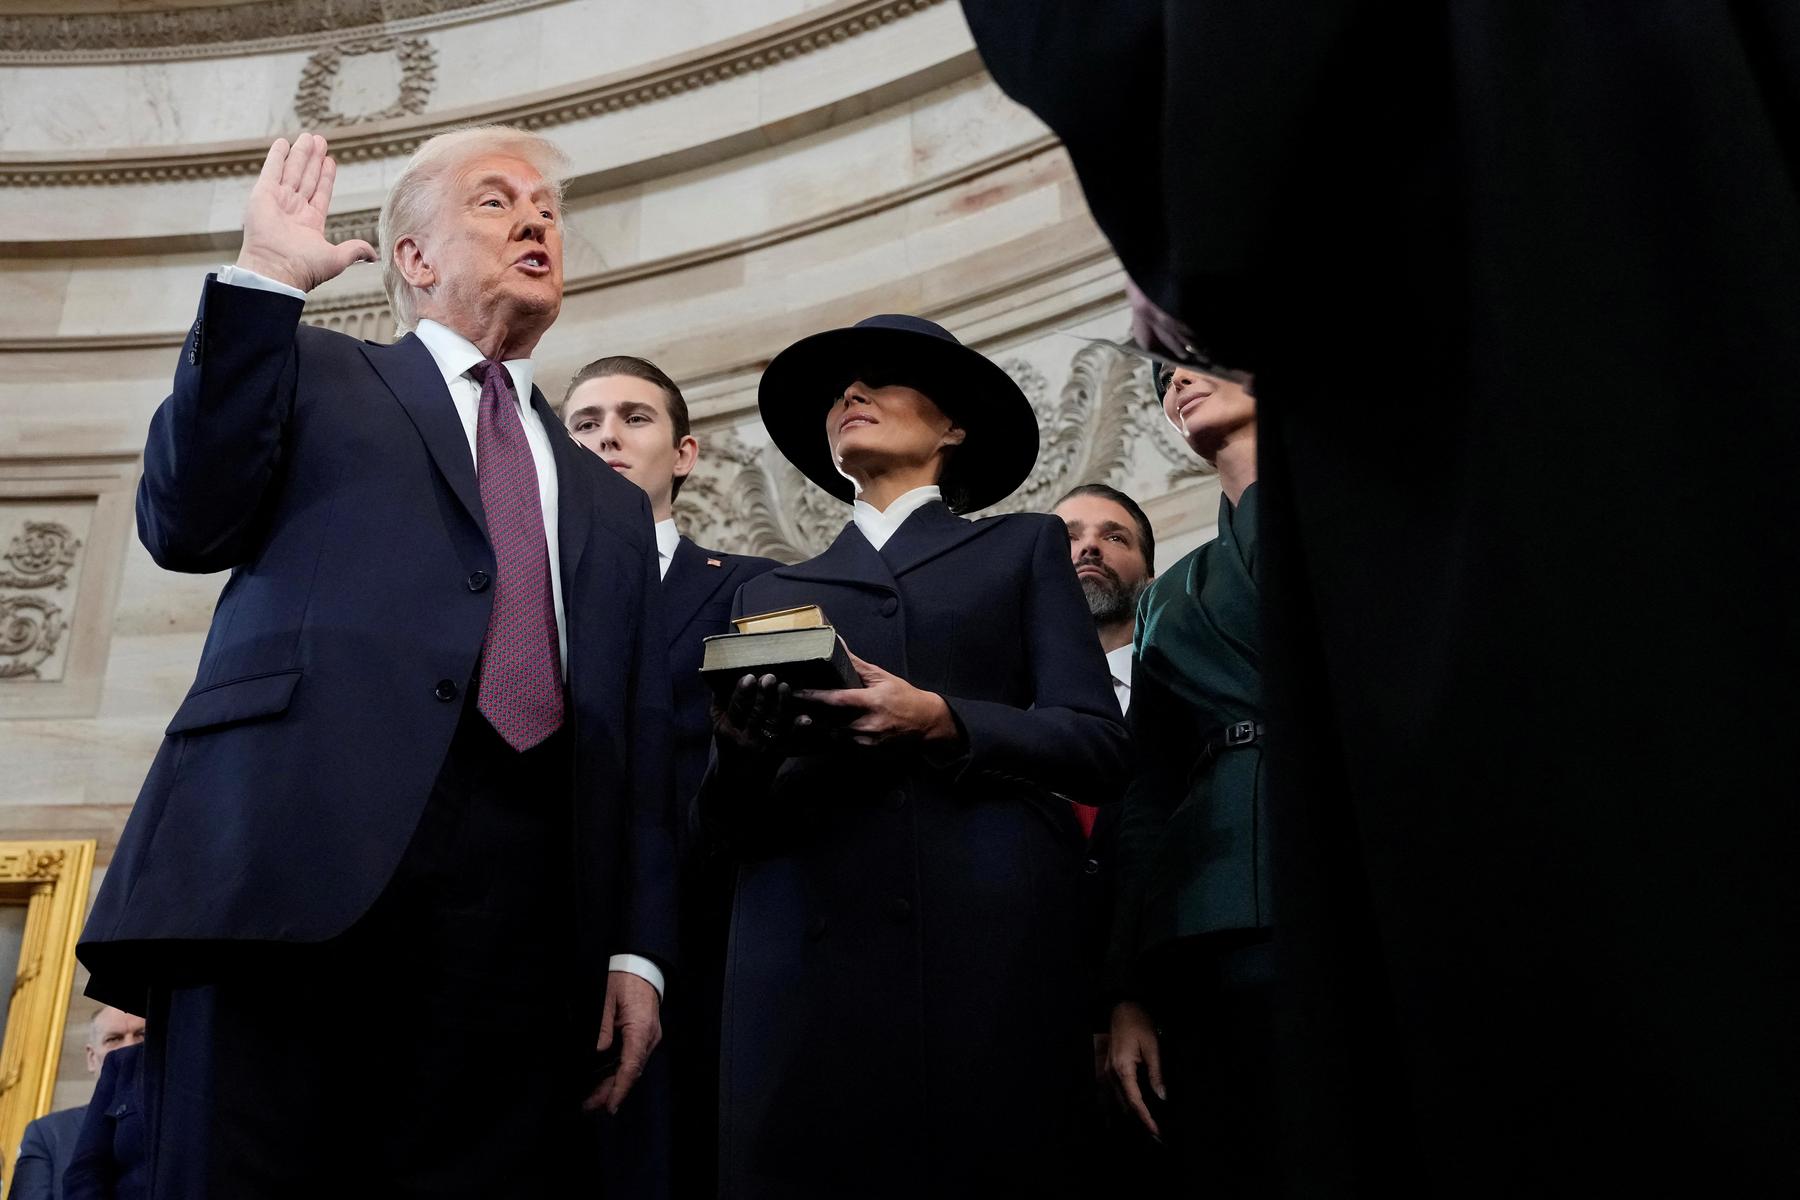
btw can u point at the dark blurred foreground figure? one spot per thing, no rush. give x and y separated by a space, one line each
1520 284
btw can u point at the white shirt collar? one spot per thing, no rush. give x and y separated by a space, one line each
878 525
1118 662
667 538
454 354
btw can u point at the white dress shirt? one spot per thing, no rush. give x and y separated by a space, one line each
878 525
454 355
1119 663
667 538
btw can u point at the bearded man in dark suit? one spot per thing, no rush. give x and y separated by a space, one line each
425 759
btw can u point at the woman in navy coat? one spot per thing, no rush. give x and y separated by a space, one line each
903 1010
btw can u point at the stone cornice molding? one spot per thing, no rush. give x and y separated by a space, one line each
541 110
263 27
365 309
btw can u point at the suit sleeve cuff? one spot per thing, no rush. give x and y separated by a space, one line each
643 968
239 277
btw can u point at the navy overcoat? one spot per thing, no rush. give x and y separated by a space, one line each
334 480
902 1002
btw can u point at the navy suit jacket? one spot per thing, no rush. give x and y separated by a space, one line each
334 480
44 1154
697 594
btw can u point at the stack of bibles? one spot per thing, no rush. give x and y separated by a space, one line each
796 645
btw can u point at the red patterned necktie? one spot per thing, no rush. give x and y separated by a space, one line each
521 677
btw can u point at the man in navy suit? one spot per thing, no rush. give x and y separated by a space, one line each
49 1142
629 412
426 758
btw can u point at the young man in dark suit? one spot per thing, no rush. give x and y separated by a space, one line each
427 752
629 412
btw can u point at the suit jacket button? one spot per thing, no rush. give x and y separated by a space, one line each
445 689
890 606
478 581
895 800
899 908
1091 867
815 928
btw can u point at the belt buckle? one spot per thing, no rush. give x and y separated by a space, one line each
1242 733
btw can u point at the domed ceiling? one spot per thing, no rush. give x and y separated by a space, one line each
112 30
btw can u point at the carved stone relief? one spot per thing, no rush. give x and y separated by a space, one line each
31 630
323 95
63 528
39 568
1099 424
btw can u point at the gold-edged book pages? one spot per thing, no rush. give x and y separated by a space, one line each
807 616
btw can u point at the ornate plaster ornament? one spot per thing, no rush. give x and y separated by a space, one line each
417 61
40 557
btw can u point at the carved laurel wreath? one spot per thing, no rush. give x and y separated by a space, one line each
418 76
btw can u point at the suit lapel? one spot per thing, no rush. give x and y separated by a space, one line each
411 374
689 584
574 499
927 533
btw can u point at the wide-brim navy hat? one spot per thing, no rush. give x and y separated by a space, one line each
1001 446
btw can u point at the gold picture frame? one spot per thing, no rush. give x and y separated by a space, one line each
49 879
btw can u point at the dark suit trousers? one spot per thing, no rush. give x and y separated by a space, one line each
430 1051
1212 998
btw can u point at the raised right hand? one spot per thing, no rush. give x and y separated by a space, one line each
284 222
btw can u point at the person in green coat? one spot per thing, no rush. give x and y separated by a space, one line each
1189 964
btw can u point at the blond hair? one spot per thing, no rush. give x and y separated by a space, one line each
414 200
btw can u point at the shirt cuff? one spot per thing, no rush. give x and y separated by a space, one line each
643 968
239 277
